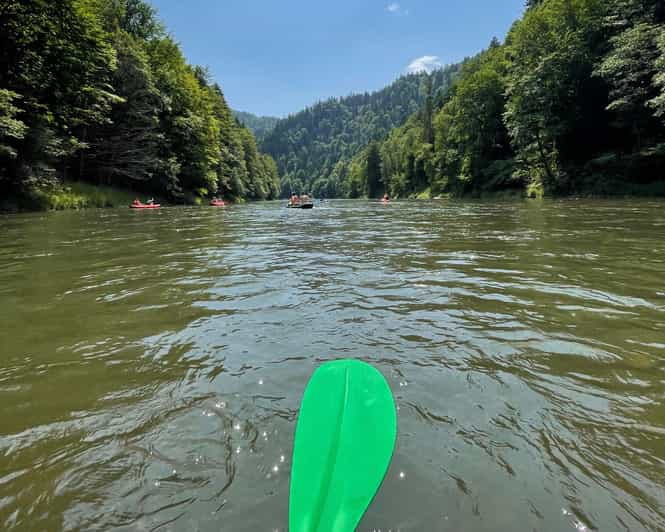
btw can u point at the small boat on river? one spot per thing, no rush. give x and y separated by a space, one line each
217 203
300 202
300 205
138 205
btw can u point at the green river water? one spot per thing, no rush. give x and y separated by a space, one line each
152 363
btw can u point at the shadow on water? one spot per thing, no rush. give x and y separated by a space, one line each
153 362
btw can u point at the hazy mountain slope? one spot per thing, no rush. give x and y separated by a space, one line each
259 125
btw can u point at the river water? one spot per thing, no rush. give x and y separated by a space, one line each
152 363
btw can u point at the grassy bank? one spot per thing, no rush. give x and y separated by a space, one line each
78 195
65 196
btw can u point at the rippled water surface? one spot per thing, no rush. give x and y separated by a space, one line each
152 363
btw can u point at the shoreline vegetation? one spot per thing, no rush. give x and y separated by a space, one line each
571 102
66 196
98 92
81 195
97 99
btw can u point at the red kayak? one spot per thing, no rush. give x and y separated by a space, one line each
145 206
217 203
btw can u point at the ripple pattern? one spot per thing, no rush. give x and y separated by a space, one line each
152 363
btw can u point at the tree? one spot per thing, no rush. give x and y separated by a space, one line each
127 148
470 132
630 69
552 50
139 19
375 186
631 66
427 109
658 102
94 90
11 128
56 59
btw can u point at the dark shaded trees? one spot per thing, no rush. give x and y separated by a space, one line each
375 186
95 90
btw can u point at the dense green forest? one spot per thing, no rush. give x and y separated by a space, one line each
97 91
313 147
572 102
260 126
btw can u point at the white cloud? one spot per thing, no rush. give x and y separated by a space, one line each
426 63
396 9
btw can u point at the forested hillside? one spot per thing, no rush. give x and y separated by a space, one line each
312 147
572 102
96 90
260 126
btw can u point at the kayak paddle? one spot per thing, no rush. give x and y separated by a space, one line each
344 442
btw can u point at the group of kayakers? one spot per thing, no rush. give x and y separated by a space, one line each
302 201
151 201
298 199
150 204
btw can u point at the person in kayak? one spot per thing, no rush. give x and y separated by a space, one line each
151 201
386 197
136 201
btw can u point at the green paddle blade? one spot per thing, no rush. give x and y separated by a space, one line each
344 442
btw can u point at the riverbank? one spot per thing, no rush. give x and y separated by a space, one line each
79 195
75 195
593 187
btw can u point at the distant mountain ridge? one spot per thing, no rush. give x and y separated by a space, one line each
260 126
311 146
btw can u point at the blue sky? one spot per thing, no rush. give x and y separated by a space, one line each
276 57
